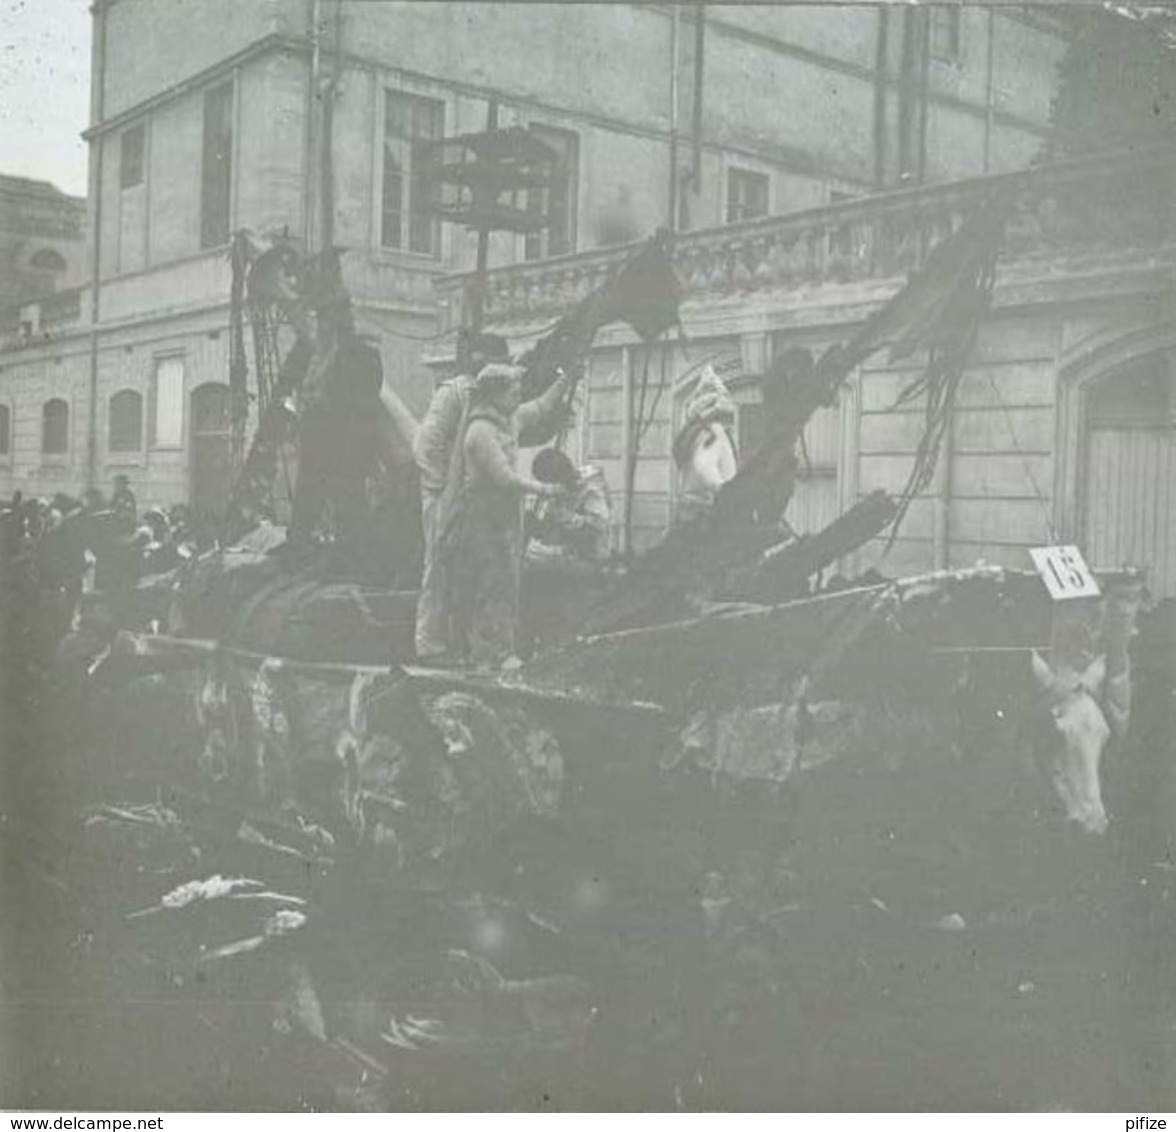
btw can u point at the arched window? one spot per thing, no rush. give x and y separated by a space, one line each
5 431
48 260
126 421
55 427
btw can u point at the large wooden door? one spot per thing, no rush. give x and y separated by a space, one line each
1130 499
211 477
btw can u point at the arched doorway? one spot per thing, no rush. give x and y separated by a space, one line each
211 477
1128 512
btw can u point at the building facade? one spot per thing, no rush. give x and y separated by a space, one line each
42 241
308 118
1064 429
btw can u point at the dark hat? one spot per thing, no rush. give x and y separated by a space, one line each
551 465
475 349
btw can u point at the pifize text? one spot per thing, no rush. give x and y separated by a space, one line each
1138 1123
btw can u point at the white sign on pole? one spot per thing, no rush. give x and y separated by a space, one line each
1064 572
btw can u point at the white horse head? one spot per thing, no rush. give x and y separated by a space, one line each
1082 733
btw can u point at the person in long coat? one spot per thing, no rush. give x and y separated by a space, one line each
485 530
438 447
437 437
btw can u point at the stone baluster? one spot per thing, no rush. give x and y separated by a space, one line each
697 266
719 276
535 297
743 254
566 292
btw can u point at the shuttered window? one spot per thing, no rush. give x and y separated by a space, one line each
167 416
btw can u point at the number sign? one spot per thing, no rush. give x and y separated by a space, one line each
1064 572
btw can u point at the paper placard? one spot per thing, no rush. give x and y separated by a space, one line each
1064 572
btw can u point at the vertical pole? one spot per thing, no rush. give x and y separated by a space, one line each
988 91
478 299
310 187
924 55
675 21
881 57
699 68
906 95
628 447
97 152
942 492
327 93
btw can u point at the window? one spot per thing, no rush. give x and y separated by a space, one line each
1140 394
747 195
126 421
48 260
216 172
167 417
409 190
55 427
945 33
559 237
130 159
5 431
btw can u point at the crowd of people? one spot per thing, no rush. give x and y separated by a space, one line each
52 551
483 519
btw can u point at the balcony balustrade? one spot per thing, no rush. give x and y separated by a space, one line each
1108 207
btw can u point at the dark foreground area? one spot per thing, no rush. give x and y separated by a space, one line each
892 945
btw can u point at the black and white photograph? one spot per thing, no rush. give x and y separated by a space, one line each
587 557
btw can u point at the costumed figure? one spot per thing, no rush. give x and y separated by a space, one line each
704 449
574 526
339 434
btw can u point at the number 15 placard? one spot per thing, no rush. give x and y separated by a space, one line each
1064 572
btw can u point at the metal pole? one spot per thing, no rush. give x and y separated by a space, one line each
672 220
699 50
881 67
327 94
924 16
942 494
988 91
628 431
310 187
97 153
477 304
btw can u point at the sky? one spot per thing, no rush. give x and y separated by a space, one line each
45 90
